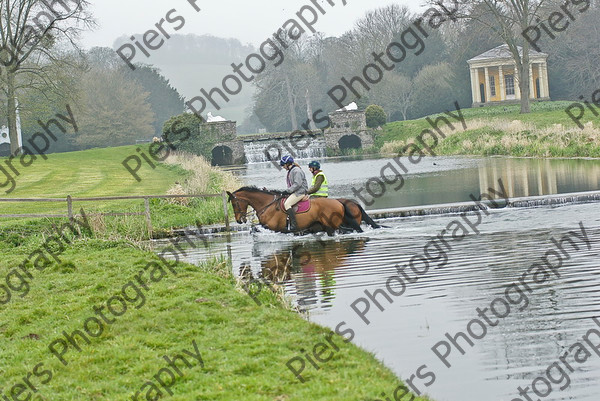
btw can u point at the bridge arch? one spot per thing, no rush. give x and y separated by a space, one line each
350 141
222 156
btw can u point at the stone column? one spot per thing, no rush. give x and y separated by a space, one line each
541 78
545 79
531 83
476 83
473 85
517 80
487 84
501 79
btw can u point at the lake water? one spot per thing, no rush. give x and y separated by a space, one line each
436 180
327 277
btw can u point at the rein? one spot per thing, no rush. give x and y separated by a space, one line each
261 211
264 209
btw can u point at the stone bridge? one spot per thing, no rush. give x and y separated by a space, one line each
347 130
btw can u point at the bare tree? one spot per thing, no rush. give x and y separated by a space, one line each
309 111
113 109
379 27
287 84
371 33
404 89
31 35
291 102
578 52
508 19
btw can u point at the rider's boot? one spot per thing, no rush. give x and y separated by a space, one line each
292 216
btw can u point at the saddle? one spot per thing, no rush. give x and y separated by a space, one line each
301 207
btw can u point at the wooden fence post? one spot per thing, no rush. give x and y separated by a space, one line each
148 217
225 209
70 213
70 207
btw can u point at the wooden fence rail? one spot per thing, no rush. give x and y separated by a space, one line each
69 201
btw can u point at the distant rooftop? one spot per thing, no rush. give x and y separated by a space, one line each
502 52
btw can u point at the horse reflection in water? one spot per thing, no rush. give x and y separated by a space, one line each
310 268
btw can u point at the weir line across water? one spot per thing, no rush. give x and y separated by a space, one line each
444 208
461 207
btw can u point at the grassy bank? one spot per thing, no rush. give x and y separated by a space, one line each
500 130
100 173
244 347
92 316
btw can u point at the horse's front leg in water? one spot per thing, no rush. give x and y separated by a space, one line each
316 228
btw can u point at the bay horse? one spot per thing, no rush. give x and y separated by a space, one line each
357 213
324 214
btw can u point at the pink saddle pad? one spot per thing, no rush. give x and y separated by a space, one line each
301 207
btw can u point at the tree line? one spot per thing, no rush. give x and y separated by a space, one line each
42 68
112 105
428 82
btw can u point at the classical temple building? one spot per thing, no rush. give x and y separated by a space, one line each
495 79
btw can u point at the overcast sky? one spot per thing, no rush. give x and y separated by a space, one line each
251 21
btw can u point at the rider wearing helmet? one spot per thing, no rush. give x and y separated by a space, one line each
319 185
297 187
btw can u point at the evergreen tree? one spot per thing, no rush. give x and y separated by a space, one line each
165 101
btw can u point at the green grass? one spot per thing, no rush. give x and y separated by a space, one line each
95 172
545 132
244 346
100 173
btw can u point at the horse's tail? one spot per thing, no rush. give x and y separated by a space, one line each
349 220
366 218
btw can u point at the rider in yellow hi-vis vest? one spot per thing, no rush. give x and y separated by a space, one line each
319 185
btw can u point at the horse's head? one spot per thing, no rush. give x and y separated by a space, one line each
240 208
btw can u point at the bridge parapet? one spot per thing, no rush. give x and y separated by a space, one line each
278 136
224 130
352 120
348 130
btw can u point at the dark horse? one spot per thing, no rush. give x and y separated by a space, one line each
324 214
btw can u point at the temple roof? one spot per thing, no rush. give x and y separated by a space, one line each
502 52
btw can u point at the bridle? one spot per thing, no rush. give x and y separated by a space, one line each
258 212
236 205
